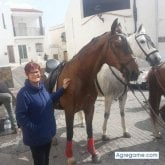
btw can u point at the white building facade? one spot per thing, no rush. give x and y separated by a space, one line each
28 34
80 29
22 35
57 47
6 35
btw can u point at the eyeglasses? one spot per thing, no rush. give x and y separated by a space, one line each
35 72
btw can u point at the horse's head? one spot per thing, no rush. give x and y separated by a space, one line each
143 47
119 54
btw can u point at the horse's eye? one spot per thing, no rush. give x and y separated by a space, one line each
142 41
153 45
117 44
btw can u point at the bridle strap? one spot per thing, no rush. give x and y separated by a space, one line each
98 86
120 80
123 66
147 55
117 77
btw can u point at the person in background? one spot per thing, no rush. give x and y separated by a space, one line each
7 99
35 113
45 57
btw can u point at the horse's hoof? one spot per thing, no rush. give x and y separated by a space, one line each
96 159
71 161
105 138
126 135
157 135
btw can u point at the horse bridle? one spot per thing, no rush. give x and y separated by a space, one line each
148 40
123 66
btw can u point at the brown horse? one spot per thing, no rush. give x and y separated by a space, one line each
111 48
156 80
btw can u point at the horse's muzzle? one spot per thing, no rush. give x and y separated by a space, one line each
130 75
133 76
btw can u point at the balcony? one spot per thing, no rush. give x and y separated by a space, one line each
28 31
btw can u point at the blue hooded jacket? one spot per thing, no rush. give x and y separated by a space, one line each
35 113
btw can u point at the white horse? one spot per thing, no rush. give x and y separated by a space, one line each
111 85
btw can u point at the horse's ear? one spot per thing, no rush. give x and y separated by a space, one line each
114 26
141 29
119 28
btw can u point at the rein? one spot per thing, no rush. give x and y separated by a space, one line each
120 80
98 86
143 106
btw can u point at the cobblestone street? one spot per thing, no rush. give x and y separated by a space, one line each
12 150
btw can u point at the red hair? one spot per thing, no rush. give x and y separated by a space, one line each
30 66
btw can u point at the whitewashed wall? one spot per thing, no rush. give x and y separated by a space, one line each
79 30
161 24
151 15
56 44
31 19
6 35
31 50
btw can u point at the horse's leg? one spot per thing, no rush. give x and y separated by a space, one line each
81 117
154 101
89 129
122 101
108 103
69 118
162 112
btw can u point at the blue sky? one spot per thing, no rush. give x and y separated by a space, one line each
54 10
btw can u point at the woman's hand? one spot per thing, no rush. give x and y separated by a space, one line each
66 82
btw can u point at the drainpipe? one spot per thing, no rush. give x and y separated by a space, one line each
135 15
156 23
41 26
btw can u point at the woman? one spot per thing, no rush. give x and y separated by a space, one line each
35 115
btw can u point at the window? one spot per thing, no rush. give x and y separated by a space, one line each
22 29
55 56
63 37
22 51
3 21
39 47
91 7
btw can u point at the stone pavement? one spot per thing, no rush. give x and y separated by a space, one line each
12 150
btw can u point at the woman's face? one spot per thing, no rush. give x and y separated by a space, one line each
34 76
